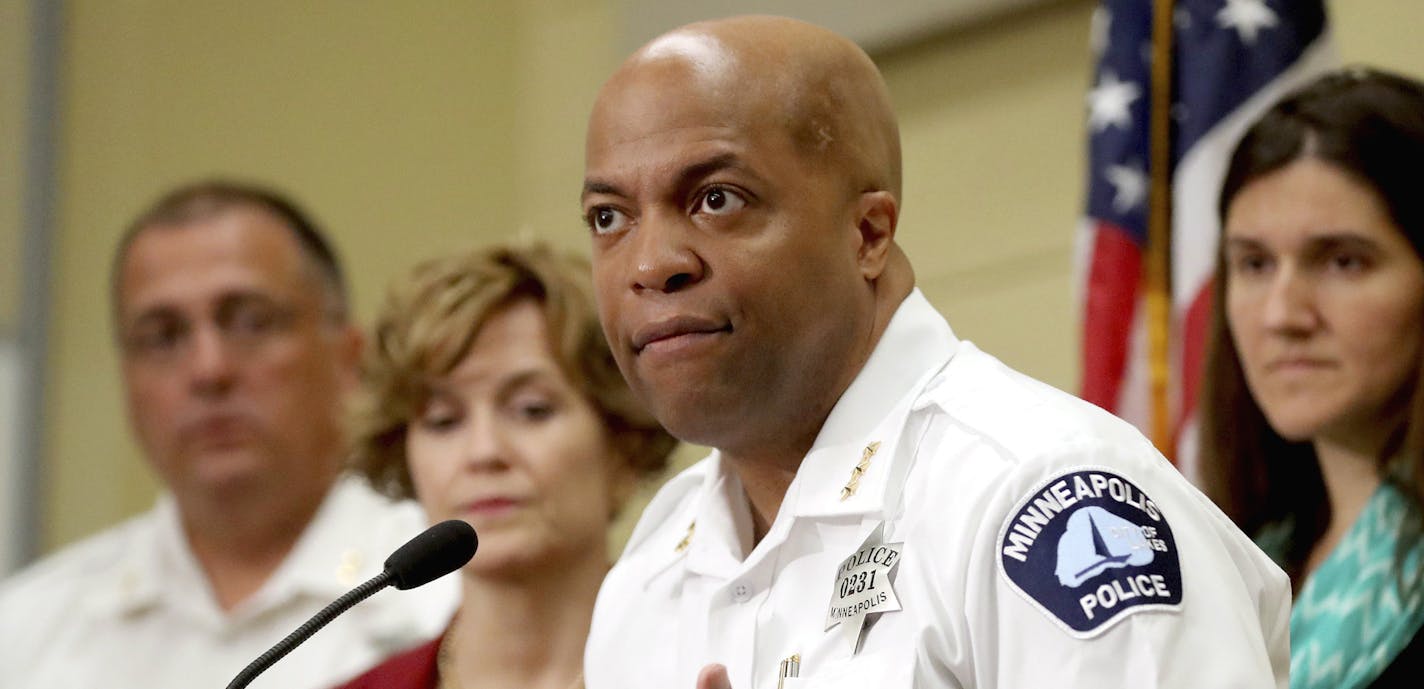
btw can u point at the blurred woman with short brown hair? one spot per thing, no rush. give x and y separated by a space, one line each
493 398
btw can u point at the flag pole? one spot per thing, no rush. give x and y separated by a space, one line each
1159 228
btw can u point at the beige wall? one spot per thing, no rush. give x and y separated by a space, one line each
418 127
15 43
14 71
990 120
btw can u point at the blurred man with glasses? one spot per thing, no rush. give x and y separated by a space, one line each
237 353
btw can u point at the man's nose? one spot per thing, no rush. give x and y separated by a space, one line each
664 259
210 362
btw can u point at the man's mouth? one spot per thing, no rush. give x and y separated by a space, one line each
669 330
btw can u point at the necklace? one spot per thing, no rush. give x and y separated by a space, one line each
445 664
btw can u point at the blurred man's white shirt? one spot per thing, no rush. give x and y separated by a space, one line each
129 608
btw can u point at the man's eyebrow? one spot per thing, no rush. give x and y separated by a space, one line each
149 314
591 186
244 296
694 171
706 167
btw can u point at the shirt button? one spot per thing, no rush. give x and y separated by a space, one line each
741 592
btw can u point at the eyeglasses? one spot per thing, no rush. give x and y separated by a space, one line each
245 324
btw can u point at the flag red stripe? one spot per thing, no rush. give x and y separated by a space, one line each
1114 278
1195 323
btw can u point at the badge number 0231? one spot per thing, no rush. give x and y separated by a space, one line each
856 582
863 585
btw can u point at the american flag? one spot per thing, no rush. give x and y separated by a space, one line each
1231 59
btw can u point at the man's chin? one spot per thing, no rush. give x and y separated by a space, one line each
225 469
700 422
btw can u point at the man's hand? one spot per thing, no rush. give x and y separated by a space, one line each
713 677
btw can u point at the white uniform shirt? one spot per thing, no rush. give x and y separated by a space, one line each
130 608
998 533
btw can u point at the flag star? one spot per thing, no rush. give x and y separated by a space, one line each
1129 185
1110 101
1182 19
1247 17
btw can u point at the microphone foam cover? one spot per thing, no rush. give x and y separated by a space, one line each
435 552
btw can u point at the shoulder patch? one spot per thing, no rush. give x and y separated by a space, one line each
1088 548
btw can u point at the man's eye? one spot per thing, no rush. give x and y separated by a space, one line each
720 201
253 320
156 338
606 220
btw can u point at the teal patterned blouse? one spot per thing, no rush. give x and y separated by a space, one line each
1358 609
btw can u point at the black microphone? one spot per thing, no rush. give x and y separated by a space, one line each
435 552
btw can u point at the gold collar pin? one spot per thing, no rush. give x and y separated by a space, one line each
686 538
854 483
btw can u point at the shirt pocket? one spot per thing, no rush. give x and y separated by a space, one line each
892 668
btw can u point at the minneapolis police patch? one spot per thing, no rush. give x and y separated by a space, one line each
1089 548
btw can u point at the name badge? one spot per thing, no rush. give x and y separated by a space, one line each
863 582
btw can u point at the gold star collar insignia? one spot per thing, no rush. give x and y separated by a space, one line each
686 538
854 483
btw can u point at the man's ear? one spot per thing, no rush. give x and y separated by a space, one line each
877 213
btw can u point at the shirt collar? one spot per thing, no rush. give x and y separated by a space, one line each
721 536
330 557
916 340
333 553
852 461
149 563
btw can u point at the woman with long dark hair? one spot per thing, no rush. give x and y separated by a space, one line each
1313 416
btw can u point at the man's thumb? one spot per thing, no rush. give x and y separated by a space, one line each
713 677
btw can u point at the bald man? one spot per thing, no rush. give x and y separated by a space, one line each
886 505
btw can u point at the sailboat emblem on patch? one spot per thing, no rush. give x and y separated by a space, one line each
1088 548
